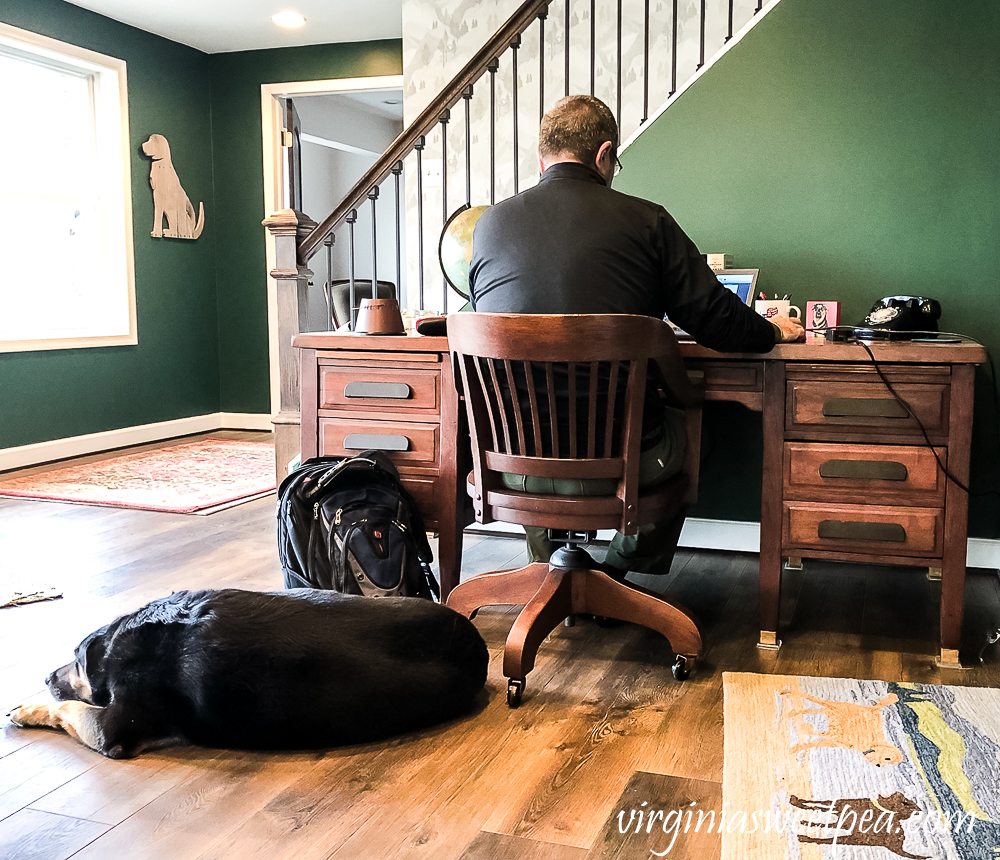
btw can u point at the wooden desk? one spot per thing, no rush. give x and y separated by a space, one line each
848 473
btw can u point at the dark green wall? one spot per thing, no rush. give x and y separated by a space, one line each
239 188
173 372
849 150
201 306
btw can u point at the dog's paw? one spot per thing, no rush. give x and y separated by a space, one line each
31 715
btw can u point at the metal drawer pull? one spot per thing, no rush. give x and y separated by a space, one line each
375 441
864 407
839 530
386 390
872 470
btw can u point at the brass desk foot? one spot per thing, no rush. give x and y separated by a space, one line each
769 640
949 659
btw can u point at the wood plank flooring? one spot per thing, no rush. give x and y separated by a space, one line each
603 728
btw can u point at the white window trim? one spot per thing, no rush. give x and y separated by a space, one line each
112 112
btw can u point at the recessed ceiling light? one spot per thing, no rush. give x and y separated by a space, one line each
289 20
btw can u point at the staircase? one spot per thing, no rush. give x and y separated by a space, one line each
474 142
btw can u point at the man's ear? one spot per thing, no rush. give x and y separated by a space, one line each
541 164
604 162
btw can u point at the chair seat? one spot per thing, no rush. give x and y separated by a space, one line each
583 513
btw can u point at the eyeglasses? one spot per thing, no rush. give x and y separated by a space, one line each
618 162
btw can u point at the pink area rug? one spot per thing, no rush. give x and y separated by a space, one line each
185 478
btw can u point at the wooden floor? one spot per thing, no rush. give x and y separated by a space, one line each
602 730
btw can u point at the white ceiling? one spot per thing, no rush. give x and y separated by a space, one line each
241 25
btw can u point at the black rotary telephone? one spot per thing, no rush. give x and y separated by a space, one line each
900 318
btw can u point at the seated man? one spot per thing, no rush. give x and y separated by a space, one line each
572 245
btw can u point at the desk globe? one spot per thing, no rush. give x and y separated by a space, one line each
455 247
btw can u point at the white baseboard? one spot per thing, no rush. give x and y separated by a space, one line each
93 443
745 537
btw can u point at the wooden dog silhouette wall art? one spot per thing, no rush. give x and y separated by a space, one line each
169 199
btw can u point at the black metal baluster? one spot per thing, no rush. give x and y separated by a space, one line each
645 63
352 217
541 63
514 47
492 69
729 34
701 55
328 292
373 196
397 171
467 95
618 115
760 5
566 43
673 54
444 194
419 147
593 42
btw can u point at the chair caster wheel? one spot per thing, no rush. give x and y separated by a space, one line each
681 668
514 690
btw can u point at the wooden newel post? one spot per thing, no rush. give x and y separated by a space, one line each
291 280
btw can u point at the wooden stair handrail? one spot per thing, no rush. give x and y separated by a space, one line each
429 117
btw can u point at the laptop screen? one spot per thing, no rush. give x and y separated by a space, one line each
743 282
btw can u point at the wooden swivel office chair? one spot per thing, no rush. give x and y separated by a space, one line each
561 397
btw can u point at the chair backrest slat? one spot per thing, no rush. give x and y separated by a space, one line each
501 405
536 422
571 403
550 388
515 404
488 396
592 404
610 415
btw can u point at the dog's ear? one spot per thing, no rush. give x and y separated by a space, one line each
90 657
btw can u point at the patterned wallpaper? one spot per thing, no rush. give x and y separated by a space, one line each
440 36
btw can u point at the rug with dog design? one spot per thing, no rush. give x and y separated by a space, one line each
823 768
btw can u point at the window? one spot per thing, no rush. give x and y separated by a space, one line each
66 269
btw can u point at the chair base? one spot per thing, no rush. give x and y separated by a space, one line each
550 593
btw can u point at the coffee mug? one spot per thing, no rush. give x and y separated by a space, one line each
768 308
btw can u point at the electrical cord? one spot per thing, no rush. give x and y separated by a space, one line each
902 401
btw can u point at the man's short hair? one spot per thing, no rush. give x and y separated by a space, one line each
578 126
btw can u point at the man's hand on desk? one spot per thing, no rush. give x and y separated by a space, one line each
791 329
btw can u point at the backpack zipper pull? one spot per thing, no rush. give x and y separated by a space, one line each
336 518
315 510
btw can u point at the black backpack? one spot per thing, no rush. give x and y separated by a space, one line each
347 524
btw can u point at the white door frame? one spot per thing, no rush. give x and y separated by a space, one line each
271 125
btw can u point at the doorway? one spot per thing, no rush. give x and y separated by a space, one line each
344 126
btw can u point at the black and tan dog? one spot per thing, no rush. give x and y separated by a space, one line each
249 670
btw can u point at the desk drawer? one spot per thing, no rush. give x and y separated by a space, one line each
380 389
742 382
881 474
406 443
867 407
863 529
424 490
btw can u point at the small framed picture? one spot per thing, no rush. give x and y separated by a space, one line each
821 316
